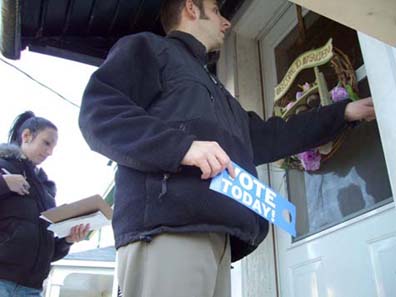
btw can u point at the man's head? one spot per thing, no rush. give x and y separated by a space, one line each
200 18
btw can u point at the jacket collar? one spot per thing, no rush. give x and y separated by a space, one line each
9 151
193 45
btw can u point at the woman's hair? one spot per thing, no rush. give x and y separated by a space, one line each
27 120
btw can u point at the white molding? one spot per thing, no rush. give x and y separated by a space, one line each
258 15
361 73
286 7
380 63
375 212
267 45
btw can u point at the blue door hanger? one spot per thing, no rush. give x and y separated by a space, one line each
253 194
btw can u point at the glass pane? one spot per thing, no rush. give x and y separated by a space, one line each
318 31
352 182
355 179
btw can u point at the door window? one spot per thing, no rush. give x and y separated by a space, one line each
355 179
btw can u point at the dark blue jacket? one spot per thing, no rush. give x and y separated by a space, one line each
27 248
144 107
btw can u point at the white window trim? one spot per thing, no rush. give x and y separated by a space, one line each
380 63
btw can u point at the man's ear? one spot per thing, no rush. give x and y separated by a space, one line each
26 136
191 10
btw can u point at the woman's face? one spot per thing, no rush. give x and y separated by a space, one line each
38 148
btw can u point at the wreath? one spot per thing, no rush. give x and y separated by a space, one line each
312 95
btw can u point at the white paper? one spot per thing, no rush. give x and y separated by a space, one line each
95 220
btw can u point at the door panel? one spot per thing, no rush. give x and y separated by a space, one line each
351 251
383 260
306 279
355 259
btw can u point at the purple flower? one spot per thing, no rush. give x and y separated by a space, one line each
306 86
299 95
310 160
338 94
288 106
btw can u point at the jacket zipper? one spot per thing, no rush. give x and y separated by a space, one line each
166 176
213 79
40 193
164 185
220 85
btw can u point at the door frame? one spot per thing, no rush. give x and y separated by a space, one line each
253 24
384 97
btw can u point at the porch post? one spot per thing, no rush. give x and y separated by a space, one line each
54 290
56 280
239 68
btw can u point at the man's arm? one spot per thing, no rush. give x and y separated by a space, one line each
209 157
360 110
277 138
113 118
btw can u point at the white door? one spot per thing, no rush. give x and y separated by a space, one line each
346 244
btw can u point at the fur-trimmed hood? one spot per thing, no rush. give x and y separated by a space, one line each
11 151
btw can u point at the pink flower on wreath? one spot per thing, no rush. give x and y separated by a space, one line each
338 94
299 95
306 87
310 160
290 105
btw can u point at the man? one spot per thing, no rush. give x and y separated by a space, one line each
171 126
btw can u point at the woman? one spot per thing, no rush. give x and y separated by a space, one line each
27 248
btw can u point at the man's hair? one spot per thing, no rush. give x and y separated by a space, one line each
171 12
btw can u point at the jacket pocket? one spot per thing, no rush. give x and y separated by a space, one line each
19 243
185 100
169 201
6 230
154 184
157 185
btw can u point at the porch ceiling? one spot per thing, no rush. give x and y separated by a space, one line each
82 30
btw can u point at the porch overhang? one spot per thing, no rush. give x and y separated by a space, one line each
80 30
374 18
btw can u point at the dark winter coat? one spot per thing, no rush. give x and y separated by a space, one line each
27 248
144 107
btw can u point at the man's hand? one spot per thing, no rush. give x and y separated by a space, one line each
209 157
362 109
77 233
17 183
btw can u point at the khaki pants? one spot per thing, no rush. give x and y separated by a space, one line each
176 265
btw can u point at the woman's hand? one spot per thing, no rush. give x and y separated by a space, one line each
17 183
77 233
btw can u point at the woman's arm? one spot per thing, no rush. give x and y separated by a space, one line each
62 246
3 186
13 183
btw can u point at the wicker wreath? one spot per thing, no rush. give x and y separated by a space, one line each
309 98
